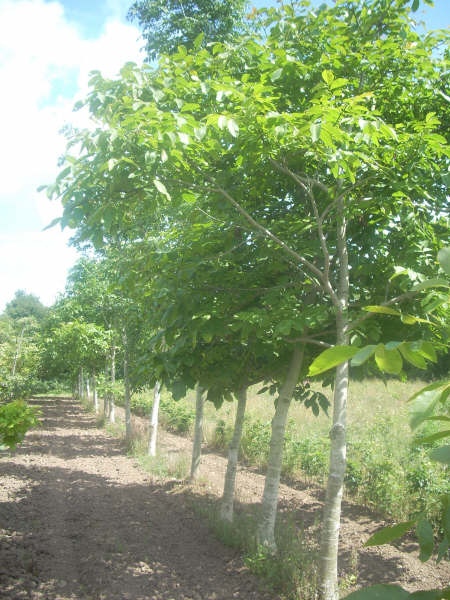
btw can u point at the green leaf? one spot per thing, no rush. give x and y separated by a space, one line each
315 131
52 224
435 436
431 283
221 121
198 41
444 259
112 162
431 594
338 83
184 138
389 361
276 75
233 127
423 406
412 357
438 418
161 188
433 386
380 591
189 197
363 355
384 310
441 454
427 350
388 534
415 5
328 76
331 358
408 319
424 533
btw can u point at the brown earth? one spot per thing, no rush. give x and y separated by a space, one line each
80 520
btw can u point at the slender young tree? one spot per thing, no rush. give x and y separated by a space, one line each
154 419
198 432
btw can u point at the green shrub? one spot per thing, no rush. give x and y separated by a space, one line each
141 405
176 416
15 419
16 387
255 442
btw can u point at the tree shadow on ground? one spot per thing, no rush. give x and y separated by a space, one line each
70 533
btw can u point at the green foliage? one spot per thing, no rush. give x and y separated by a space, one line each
383 591
17 387
255 442
15 419
167 24
176 417
26 305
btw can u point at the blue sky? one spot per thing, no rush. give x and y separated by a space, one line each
47 48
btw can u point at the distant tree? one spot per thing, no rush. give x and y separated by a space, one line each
25 305
167 24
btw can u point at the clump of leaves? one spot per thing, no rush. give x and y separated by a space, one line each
16 418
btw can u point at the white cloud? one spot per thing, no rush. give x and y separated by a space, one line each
36 262
40 53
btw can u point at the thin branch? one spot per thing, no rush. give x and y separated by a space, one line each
308 340
323 243
368 315
266 231
352 187
250 289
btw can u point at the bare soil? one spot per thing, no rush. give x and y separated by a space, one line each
80 520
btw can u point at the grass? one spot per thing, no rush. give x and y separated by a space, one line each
386 471
292 571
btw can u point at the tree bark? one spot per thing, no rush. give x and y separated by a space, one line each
154 417
226 509
128 433
112 405
81 384
17 352
198 432
106 396
266 529
94 392
88 391
332 510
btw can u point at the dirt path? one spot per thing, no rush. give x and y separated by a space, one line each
79 520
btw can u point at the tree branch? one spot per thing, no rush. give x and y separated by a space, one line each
323 243
309 340
266 231
368 315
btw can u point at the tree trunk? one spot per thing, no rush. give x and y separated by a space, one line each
154 420
81 384
126 379
17 352
332 510
198 432
94 392
266 529
226 509
88 391
112 405
106 396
